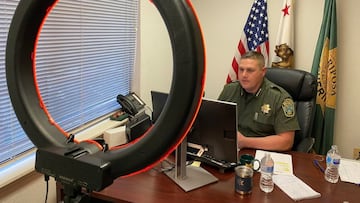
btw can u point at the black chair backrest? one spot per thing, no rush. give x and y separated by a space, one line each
302 86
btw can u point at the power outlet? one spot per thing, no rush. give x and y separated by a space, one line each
356 154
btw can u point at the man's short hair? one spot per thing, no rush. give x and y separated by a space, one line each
255 56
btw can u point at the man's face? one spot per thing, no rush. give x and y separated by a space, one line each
251 75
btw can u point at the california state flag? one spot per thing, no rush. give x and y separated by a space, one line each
284 46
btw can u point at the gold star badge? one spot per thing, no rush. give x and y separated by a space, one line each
265 108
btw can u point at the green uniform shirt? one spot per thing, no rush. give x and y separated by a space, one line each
270 111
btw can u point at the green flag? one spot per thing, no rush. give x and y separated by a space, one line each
324 67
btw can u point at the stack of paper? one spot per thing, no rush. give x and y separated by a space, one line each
349 171
282 162
295 188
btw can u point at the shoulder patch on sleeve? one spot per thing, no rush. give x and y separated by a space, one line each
288 107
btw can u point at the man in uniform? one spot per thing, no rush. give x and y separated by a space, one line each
266 112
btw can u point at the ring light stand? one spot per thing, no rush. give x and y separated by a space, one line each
188 177
80 166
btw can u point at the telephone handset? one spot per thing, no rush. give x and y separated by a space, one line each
131 103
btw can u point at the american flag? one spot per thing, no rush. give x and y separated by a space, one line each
255 36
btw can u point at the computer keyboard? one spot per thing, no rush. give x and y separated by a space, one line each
222 165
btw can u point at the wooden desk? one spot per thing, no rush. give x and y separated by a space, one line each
153 186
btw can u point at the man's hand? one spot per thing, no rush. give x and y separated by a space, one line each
240 138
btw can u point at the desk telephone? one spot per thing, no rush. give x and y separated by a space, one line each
131 103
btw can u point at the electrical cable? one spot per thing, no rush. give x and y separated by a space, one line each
47 187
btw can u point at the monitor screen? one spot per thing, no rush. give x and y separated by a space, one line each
158 102
215 126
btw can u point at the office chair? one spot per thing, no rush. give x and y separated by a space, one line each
302 86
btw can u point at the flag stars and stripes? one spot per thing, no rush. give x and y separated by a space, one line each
255 33
254 36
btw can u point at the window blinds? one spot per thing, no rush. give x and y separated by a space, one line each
85 58
13 140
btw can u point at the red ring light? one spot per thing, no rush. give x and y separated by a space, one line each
172 126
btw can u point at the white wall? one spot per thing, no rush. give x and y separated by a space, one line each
222 22
155 52
31 188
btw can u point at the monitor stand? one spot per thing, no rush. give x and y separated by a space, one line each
188 177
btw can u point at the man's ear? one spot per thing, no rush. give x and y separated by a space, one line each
264 70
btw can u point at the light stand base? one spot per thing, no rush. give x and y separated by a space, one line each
195 177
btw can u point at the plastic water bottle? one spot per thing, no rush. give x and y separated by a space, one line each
332 165
267 170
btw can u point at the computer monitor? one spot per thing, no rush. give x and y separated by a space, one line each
215 129
158 102
215 126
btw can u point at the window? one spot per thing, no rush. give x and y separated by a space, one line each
85 58
13 139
